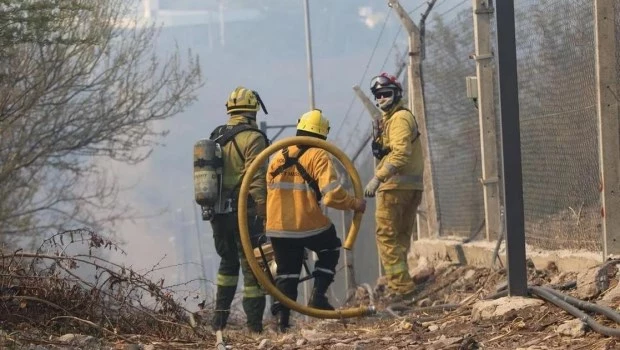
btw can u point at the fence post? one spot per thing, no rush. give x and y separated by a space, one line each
486 115
349 272
416 102
607 110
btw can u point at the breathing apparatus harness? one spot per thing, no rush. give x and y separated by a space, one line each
222 135
378 151
294 161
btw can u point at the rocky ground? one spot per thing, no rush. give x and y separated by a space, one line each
503 323
468 322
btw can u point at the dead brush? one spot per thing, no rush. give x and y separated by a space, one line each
55 292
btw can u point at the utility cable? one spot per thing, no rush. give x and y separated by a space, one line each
400 28
574 306
564 302
452 8
374 50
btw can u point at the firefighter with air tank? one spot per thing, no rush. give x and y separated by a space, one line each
219 165
288 196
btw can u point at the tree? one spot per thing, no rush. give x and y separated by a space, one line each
79 83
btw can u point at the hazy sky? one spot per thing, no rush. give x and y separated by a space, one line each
262 48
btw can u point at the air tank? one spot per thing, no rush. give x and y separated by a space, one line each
207 173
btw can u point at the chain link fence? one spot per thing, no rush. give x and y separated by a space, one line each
559 136
453 125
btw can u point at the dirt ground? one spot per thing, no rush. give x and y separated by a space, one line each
421 324
419 327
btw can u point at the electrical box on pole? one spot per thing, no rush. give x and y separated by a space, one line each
471 83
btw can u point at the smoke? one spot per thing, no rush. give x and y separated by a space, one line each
148 238
369 17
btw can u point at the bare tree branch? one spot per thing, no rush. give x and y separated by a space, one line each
76 86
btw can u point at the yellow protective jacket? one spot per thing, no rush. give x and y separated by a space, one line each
403 166
292 207
250 144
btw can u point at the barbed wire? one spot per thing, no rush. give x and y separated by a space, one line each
453 8
372 54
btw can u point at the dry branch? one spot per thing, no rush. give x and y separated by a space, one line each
49 287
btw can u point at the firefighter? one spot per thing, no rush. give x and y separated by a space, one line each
397 183
241 141
298 179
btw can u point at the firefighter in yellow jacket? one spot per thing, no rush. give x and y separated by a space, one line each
241 142
298 179
397 183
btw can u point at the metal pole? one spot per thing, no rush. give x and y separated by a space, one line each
200 252
146 4
210 28
375 114
222 38
511 147
309 53
347 272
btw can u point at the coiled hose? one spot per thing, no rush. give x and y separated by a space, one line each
262 278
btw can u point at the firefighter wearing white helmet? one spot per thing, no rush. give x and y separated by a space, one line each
397 183
298 179
241 141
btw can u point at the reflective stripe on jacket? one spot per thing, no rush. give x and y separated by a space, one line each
403 167
292 207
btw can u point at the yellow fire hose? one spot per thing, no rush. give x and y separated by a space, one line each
263 279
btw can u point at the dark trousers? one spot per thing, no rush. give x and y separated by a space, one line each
289 255
228 246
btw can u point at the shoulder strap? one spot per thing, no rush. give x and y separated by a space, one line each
417 127
290 161
226 133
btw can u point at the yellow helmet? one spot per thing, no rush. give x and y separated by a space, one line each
314 122
244 100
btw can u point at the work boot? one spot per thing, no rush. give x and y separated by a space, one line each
393 297
319 301
254 309
220 318
283 320
223 300
255 328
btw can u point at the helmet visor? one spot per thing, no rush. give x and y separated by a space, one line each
384 94
380 80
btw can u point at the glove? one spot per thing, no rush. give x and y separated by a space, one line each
359 205
372 187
